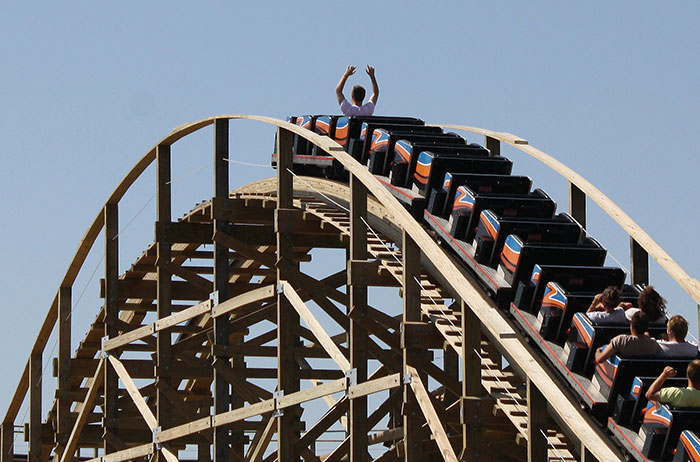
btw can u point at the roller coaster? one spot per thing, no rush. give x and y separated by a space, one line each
216 342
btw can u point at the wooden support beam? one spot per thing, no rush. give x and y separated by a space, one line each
7 449
411 313
577 204
287 317
319 332
140 403
536 424
35 414
261 441
416 335
639 263
111 293
431 417
222 388
183 232
84 412
63 405
358 281
164 417
587 456
471 382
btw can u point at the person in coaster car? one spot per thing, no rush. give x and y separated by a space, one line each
357 95
677 396
637 343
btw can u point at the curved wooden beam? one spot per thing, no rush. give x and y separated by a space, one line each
689 284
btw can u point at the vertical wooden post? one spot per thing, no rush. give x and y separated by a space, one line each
7 453
577 204
35 407
411 313
222 389
163 286
287 317
358 335
471 382
639 262
111 384
493 145
536 418
63 424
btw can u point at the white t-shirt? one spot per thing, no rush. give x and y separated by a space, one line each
630 312
616 317
668 349
348 109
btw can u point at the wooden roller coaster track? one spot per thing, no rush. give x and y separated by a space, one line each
152 377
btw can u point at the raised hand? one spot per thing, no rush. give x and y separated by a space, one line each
370 71
350 70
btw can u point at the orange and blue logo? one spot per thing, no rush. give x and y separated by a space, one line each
423 166
584 328
402 151
691 444
657 413
464 201
323 125
636 388
607 370
304 122
380 140
510 256
363 131
536 273
447 182
554 297
342 127
490 222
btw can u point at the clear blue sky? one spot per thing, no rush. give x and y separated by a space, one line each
610 88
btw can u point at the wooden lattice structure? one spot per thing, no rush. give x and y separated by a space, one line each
171 359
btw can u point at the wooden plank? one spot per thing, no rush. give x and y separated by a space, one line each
184 232
136 452
261 441
139 333
85 410
431 417
420 335
252 297
536 424
190 428
140 403
182 316
190 276
374 386
64 356
241 247
243 413
639 264
35 402
7 449
318 330
310 394
112 293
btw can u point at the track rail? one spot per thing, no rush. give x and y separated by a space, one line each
441 279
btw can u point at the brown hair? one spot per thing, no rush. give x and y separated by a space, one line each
358 93
693 372
651 303
678 326
640 322
611 297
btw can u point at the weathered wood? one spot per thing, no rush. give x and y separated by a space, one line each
358 279
7 449
111 294
35 414
64 354
493 145
250 298
536 424
315 326
420 335
182 231
87 407
431 417
287 317
261 441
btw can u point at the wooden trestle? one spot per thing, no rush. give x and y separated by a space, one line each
176 355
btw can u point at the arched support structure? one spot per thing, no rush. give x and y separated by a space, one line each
260 234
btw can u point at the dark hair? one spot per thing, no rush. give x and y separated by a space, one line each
693 371
679 326
651 303
640 322
611 297
358 93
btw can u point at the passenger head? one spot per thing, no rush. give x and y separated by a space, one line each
358 94
677 327
651 303
640 323
611 297
693 372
